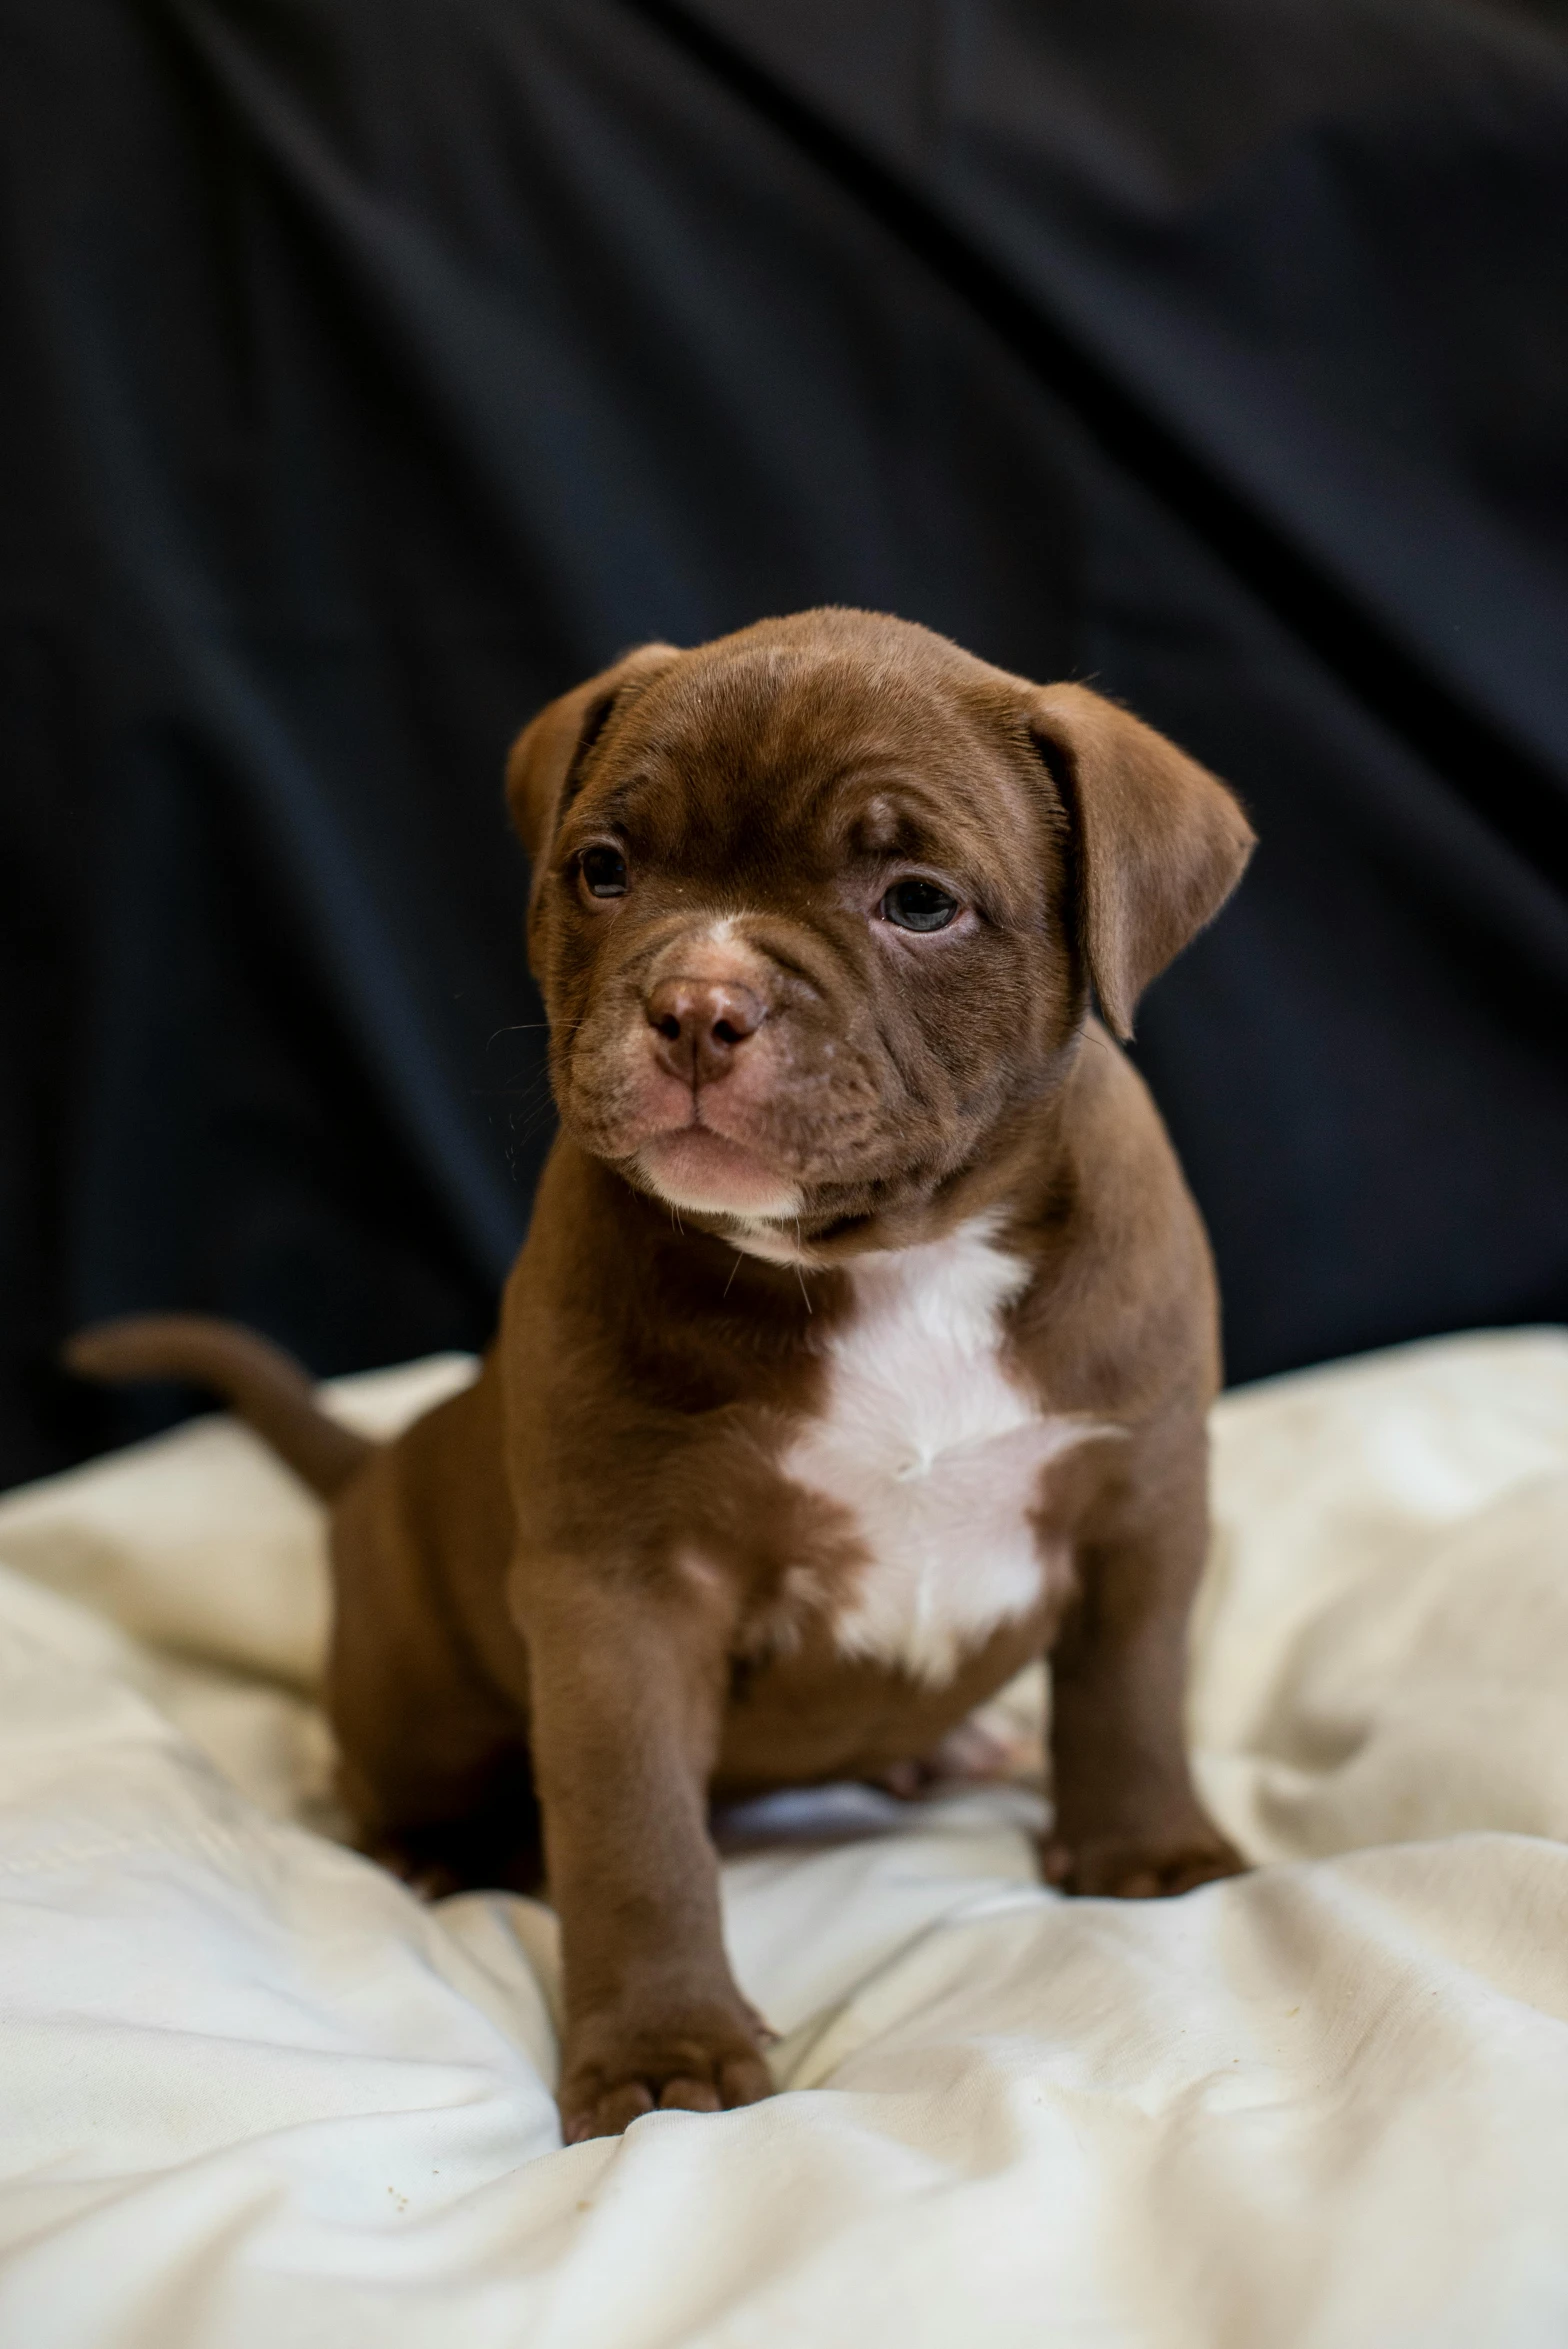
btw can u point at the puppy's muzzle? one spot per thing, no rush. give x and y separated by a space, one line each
701 1025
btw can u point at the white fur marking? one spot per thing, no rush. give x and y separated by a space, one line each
936 1453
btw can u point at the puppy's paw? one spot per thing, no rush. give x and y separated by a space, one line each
976 1753
705 2060
1132 1868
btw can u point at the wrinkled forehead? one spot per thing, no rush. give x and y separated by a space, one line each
813 759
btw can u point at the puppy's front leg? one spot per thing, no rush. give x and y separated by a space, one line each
627 1678
1127 1817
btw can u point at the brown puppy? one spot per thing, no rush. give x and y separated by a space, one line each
861 1346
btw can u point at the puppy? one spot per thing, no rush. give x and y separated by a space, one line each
862 1342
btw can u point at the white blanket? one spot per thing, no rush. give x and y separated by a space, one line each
252 2093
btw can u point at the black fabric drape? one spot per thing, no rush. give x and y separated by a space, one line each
372 369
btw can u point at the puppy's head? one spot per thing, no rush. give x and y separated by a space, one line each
817 909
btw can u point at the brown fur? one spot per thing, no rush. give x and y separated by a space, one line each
587 1591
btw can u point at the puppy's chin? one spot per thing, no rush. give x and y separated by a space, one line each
699 1170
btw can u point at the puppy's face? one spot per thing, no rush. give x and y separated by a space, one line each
808 916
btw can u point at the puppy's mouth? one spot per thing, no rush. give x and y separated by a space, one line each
696 1168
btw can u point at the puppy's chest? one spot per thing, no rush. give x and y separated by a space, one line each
936 1454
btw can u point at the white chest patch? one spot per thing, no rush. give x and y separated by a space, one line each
936 1453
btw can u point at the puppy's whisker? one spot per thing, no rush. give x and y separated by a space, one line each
534 1027
527 1098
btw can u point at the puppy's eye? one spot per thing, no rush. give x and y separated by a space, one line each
603 871
918 905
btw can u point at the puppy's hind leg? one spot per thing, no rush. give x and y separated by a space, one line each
473 1832
434 1767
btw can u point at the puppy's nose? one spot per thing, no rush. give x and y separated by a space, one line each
701 1025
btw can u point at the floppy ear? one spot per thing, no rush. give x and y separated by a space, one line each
1160 843
547 756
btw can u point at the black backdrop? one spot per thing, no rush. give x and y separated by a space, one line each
372 369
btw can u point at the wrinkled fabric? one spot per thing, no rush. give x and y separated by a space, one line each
374 369
256 2093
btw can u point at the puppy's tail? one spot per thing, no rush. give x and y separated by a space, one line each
272 1392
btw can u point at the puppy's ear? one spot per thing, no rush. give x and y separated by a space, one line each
1159 842
547 756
